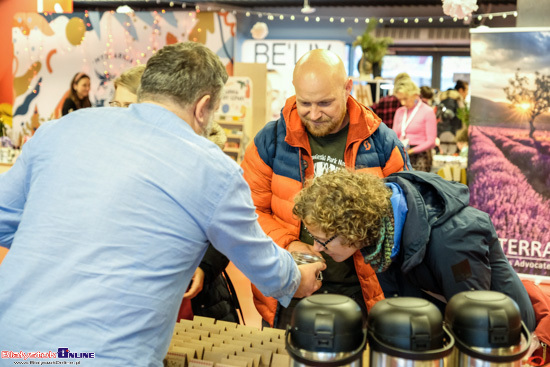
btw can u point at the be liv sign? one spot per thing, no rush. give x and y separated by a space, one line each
280 54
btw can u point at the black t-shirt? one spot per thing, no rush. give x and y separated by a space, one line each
68 106
328 155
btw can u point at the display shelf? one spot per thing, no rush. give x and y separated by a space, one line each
234 131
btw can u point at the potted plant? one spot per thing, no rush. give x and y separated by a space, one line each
374 49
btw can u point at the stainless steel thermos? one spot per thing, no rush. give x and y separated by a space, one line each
406 332
487 328
326 330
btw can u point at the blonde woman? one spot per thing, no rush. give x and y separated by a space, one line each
415 125
126 86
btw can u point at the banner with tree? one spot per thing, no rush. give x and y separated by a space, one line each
509 159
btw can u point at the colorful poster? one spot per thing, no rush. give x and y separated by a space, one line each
509 161
50 49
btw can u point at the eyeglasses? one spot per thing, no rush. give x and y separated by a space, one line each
322 243
118 104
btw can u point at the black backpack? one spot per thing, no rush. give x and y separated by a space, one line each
448 125
447 116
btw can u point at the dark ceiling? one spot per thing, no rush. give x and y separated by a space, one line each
109 4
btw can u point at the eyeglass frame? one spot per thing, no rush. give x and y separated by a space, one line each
118 104
322 243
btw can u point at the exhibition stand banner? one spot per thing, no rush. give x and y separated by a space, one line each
509 156
49 49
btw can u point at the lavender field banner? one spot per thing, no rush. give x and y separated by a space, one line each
509 156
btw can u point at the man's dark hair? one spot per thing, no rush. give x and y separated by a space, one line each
461 84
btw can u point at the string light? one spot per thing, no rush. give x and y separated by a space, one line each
331 19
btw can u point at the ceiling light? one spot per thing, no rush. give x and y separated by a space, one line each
307 9
124 9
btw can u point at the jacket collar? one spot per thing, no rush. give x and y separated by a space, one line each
363 123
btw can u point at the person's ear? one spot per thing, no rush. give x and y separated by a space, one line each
202 109
349 86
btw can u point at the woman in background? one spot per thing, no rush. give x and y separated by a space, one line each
78 94
415 125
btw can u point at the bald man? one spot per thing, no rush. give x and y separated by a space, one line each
320 129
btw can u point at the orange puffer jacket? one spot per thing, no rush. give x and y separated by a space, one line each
278 161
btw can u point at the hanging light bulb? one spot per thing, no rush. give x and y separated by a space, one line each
307 9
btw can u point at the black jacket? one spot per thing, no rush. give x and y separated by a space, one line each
216 299
448 246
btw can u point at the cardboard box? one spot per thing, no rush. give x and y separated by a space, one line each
243 343
181 351
256 357
280 360
214 356
226 349
200 363
213 328
246 329
234 361
204 320
226 325
176 361
266 354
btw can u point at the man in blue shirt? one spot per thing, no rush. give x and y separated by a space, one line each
108 211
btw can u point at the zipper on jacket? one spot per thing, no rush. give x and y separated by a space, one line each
303 167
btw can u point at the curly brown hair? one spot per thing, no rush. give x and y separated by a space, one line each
345 203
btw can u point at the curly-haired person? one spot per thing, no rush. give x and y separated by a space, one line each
415 229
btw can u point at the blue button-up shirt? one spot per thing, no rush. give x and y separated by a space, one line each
107 213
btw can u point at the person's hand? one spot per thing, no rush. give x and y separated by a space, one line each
197 282
299 246
309 283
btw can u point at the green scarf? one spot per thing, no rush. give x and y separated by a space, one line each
379 255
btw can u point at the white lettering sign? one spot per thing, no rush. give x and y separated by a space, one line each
285 53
